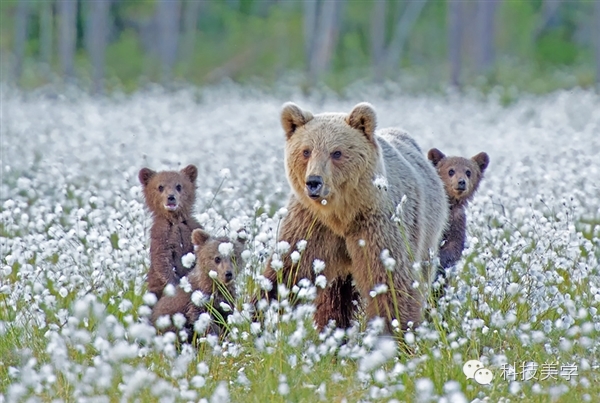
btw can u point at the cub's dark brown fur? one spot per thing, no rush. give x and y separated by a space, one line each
220 289
461 178
170 196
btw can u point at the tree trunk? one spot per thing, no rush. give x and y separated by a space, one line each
455 40
310 25
596 25
168 27
378 19
46 33
67 10
190 24
327 30
97 27
20 37
402 31
486 34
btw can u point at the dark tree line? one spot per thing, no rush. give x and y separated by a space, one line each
171 33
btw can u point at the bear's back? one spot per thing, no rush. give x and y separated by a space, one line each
409 173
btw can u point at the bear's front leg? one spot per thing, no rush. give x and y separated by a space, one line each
321 244
338 302
387 286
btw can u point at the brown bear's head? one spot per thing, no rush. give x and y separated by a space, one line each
328 153
169 193
461 176
219 255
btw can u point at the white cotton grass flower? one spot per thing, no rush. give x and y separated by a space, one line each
184 284
324 202
318 266
179 320
301 245
225 248
276 263
188 260
321 281
282 247
388 262
225 306
169 290
202 323
380 182
213 274
225 173
198 298
362 243
163 322
378 290
149 299
295 256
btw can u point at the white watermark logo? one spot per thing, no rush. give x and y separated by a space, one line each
474 369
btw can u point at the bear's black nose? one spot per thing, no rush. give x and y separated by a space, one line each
228 275
171 198
462 184
314 185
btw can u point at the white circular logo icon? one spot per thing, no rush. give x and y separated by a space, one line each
471 367
483 376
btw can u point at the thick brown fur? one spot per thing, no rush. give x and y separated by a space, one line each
461 178
170 197
332 161
220 289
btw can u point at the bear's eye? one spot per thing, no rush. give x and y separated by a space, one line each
336 155
451 172
161 188
218 260
306 153
178 187
468 173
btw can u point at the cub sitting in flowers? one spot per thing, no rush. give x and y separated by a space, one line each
209 287
461 178
170 197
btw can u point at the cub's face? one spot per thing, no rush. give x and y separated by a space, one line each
461 176
169 192
328 154
219 255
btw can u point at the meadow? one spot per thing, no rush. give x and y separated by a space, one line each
523 300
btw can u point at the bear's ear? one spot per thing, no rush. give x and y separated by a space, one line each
435 156
199 237
481 159
363 118
292 117
191 172
145 175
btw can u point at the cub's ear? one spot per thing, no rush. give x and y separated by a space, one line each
199 237
292 117
145 175
482 160
435 156
363 118
191 172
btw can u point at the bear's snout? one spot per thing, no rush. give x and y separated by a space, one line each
228 275
462 184
314 185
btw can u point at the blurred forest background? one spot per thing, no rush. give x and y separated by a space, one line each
106 45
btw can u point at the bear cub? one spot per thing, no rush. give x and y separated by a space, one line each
217 263
170 197
461 178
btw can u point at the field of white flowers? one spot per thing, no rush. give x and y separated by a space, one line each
74 251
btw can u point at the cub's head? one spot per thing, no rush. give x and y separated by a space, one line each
219 255
461 176
330 153
169 193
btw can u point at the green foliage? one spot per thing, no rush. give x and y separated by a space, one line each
253 39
